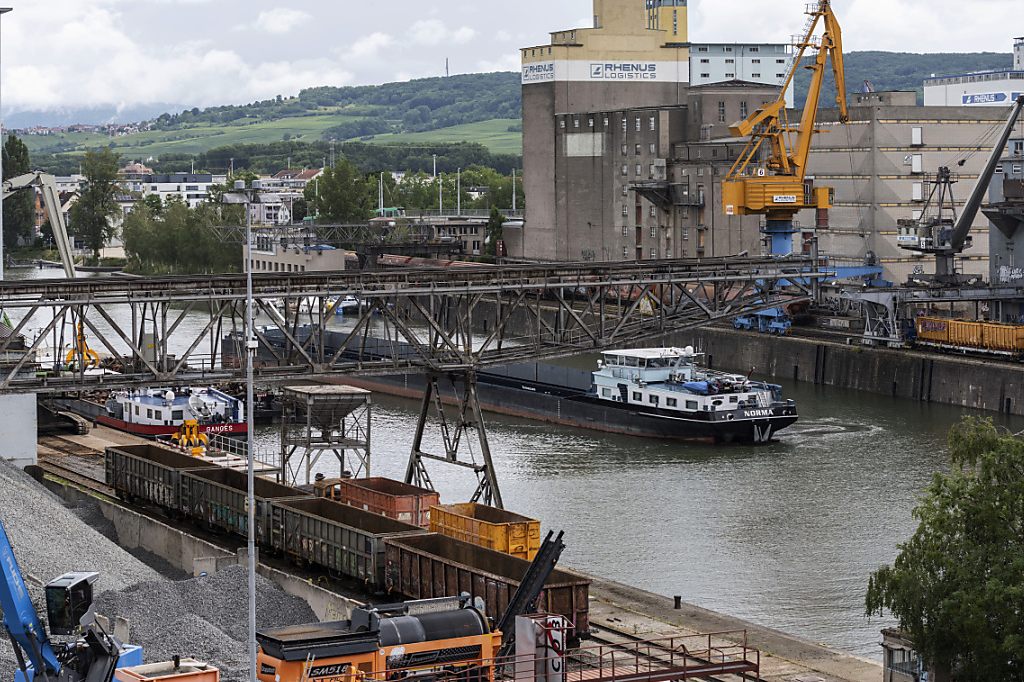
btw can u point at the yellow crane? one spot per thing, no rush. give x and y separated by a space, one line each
770 177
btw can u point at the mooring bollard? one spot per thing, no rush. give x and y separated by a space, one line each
679 602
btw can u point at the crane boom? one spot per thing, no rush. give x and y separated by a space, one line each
47 186
778 187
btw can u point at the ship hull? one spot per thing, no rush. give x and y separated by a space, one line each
154 430
573 407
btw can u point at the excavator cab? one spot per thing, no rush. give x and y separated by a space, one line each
68 600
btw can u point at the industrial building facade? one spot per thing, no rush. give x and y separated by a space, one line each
882 165
608 116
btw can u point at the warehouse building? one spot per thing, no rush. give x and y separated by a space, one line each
982 89
882 166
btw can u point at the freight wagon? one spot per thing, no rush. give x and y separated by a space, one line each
393 499
434 565
149 473
965 336
489 527
387 555
348 542
217 499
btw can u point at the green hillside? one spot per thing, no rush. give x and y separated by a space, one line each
483 109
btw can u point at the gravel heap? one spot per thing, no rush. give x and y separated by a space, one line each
50 540
204 618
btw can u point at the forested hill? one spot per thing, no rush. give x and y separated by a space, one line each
902 71
409 107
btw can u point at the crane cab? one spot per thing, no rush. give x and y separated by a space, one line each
68 600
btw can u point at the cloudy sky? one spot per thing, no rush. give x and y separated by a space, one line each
125 53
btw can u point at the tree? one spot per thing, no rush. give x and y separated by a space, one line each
494 231
957 586
19 210
343 194
300 209
92 216
154 203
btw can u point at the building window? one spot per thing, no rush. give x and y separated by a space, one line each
652 170
654 233
636 149
651 124
1017 169
625 191
780 61
606 122
625 169
590 123
562 123
638 124
743 110
702 49
654 148
917 136
705 61
625 251
721 112
654 213
730 75
730 61
625 149
705 75
575 123
654 254
624 124
780 75
639 169
625 210
675 22
755 49
755 75
625 230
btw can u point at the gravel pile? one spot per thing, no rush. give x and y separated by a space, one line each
49 540
204 618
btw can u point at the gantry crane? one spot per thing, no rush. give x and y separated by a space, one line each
770 176
940 231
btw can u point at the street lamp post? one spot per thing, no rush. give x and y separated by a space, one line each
251 348
3 11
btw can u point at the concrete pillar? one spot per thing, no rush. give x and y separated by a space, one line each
19 431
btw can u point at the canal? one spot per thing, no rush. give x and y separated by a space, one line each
784 535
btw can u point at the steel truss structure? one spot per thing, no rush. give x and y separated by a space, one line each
446 323
178 330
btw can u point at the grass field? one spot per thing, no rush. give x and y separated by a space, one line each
493 134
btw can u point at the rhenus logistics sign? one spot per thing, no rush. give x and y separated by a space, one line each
625 71
591 72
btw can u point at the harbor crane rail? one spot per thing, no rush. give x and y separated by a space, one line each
770 177
181 330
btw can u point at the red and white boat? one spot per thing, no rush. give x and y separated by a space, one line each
161 412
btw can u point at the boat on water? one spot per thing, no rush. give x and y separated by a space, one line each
666 393
155 412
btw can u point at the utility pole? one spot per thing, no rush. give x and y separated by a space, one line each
513 190
458 193
3 11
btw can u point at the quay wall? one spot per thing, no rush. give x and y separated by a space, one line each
994 385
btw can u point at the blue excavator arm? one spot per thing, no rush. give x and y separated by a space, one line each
21 620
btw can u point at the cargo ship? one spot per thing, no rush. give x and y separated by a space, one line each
655 393
156 412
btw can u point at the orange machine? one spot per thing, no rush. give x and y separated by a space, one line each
427 640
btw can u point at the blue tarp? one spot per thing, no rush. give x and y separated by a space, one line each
698 387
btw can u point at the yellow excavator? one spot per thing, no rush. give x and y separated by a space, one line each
770 177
